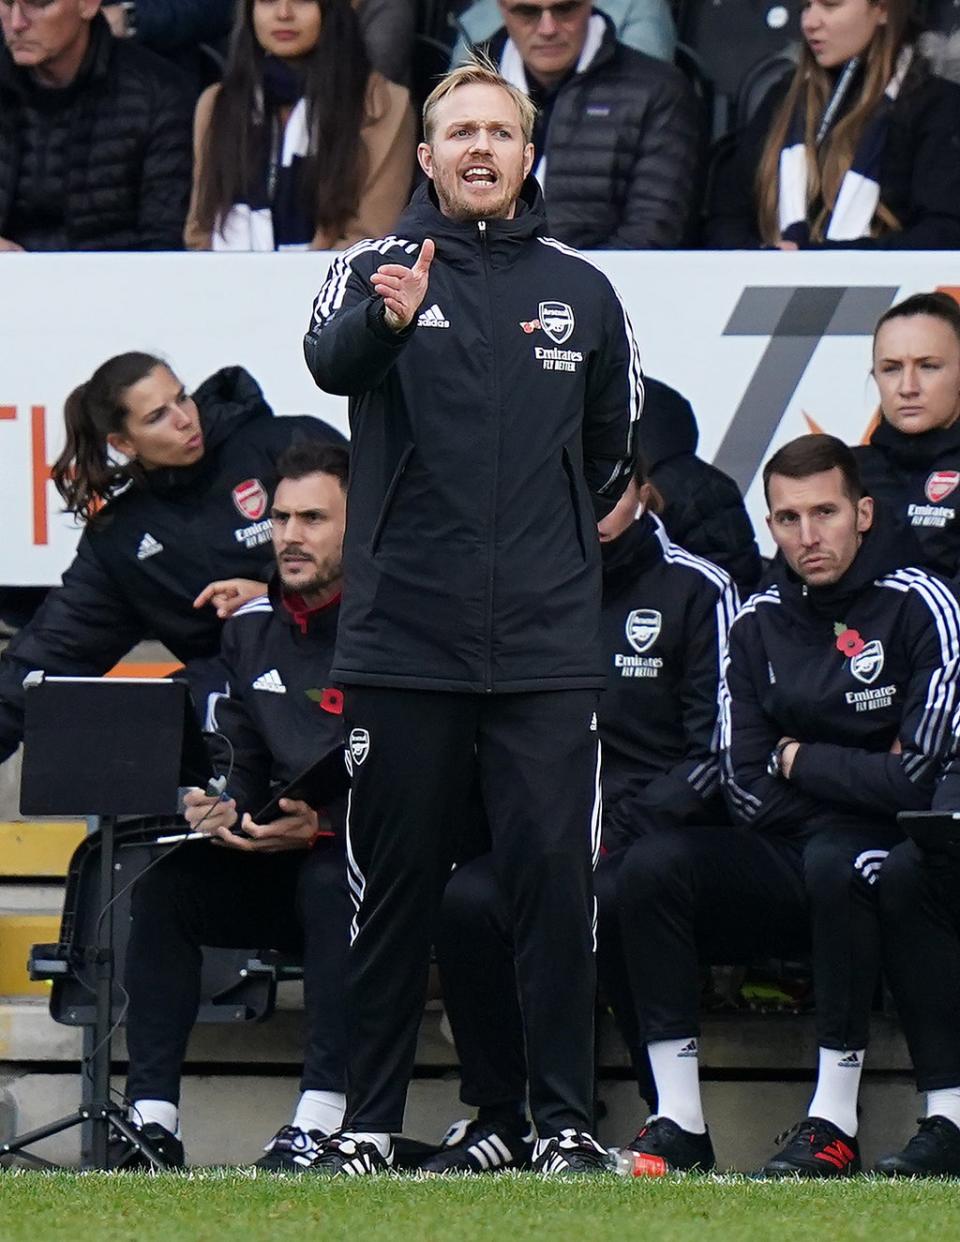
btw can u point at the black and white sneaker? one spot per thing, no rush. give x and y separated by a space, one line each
472 1147
814 1148
126 1155
934 1151
570 1153
339 1155
291 1150
661 1147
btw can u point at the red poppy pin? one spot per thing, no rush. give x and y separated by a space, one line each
849 642
328 700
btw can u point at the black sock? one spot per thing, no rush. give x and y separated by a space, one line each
510 1117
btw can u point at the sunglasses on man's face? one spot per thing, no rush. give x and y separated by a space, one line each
563 10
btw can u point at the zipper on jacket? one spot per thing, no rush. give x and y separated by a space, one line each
491 539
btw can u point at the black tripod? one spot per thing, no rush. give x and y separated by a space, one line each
122 747
104 1116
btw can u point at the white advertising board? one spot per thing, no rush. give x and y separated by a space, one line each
766 346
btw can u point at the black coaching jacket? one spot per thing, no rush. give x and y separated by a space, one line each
917 478
846 670
153 548
281 713
666 614
487 439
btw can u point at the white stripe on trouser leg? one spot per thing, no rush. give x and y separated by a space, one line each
355 877
596 816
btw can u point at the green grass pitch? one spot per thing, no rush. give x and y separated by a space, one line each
210 1206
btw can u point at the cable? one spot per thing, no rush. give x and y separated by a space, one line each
87 1061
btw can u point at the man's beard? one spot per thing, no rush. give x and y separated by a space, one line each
327 573
456 206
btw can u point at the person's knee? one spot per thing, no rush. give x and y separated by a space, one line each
471 899
654 866
833 868
902 880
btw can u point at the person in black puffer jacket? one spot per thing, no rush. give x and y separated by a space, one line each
912 463
858 148
703 509
190 505
95 137
617 137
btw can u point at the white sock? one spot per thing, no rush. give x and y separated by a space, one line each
320 1110
944 1102
382 1142
143 1112
676 1072
838 1085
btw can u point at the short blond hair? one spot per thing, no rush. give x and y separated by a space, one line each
478 68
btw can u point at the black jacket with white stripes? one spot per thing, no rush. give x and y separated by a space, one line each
142 562
848 671
666 614
487 439
917 478
282 712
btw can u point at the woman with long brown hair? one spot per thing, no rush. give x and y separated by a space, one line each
859 147
173 491
302 145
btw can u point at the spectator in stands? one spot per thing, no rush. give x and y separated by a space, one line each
919 899
912 463
646 25
282 885
94 134
840 685
388 29
858 148
617 135
187 32
187 496
703 508
665 620
303 145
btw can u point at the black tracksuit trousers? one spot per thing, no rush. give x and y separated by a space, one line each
668 903
416 759
919 898
202 894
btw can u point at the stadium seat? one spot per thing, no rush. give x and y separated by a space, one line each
730 36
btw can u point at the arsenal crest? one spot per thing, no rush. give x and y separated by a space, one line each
556 319
359 743
643 629
867 664
250 497
940 484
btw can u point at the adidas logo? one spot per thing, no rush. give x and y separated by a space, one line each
850 1061
270 681
148 547
688 1050
433 317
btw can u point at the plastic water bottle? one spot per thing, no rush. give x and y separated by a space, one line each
627 1163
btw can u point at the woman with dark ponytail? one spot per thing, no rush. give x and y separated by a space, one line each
302 145
174 493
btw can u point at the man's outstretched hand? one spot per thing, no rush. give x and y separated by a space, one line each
404 288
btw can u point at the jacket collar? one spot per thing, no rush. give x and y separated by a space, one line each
919 450
598 48
292 609
462 239
638 549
